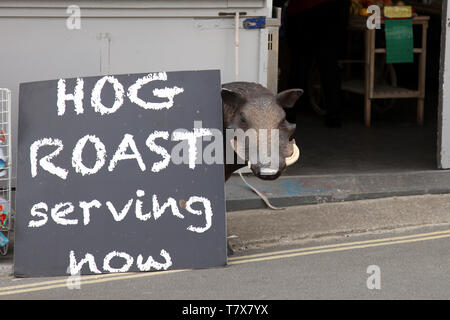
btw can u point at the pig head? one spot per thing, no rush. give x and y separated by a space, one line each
250 106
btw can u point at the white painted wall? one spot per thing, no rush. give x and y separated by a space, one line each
125 37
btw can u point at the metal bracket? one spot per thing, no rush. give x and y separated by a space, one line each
255 23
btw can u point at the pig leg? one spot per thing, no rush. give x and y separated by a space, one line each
230 251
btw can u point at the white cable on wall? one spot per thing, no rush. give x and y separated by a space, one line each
236 46
236 78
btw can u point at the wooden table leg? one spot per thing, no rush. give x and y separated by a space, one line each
422 76
420 111
369 73
367 111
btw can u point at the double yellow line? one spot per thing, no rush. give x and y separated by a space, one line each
84 280
340 247
93 279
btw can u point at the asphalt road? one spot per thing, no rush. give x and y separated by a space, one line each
410 265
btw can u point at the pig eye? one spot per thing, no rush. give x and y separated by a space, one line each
243 118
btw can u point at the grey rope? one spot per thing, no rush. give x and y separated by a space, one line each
263 197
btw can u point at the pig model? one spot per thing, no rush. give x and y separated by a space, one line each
251 106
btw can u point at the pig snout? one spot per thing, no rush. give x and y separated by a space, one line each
266 173
252 108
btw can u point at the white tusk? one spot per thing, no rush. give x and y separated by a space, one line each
268 171
295 155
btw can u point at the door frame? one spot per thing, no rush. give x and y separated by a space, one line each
443 155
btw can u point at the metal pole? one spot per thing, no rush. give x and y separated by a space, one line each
236 48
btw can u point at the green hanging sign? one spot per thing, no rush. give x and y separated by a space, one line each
399 41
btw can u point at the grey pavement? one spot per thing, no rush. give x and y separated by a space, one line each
260 228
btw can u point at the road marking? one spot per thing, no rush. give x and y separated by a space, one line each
370 245
103 278
345 244
92 279
95 276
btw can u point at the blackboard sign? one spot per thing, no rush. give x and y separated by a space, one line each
110 175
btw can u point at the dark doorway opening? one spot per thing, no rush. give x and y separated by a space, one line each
394 142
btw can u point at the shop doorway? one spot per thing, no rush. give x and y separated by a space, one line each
394 142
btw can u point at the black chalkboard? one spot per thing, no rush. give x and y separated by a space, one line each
103 199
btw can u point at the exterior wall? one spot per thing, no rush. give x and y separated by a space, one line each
126 37
444 93
135 8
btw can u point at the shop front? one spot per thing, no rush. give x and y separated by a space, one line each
44 40
394 136
388 145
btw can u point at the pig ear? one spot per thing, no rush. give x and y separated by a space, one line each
232 98
288 98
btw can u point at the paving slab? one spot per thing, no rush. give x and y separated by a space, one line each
264 227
